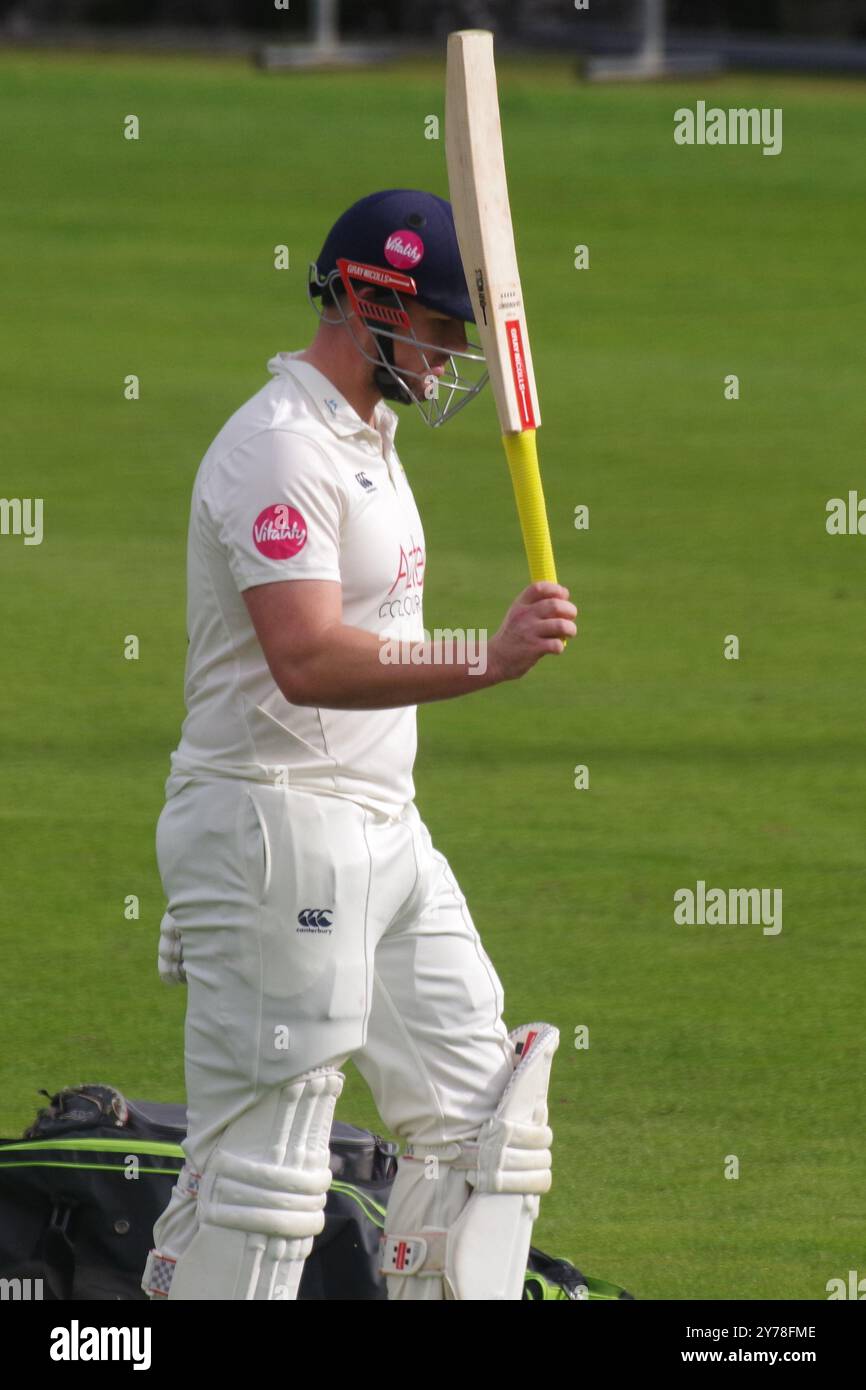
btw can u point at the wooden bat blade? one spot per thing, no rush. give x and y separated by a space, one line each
482 216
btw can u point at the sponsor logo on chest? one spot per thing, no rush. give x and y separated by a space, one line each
403 599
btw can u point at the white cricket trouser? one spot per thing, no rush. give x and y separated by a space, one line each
315 930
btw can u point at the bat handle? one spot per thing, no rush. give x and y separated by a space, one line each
522 456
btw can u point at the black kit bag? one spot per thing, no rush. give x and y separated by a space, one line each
81 1191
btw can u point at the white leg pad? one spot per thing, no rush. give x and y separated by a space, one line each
422 1197
257 1217
482 1252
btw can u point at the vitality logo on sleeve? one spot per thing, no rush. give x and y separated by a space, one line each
279 531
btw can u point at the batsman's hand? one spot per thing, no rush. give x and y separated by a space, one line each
533 627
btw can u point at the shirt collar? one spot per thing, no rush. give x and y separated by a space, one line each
335 410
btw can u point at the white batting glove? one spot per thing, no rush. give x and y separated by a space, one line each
171 969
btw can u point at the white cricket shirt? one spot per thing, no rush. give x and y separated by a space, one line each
297 486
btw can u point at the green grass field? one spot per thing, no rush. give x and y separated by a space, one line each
707 518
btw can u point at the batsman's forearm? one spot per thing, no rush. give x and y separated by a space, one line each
348 671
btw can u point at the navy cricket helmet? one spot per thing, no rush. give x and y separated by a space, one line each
407 231
401 244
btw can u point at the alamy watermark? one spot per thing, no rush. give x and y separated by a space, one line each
445 646
21 1290
739 125
22 516
854 1287
731 907
77 1343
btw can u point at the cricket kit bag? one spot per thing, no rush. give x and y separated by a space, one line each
80 1193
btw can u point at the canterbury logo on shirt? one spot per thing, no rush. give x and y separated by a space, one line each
315 919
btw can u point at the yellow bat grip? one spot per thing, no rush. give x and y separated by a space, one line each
522 458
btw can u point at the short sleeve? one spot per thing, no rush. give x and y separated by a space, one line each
277 506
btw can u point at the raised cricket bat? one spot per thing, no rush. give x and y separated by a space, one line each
482 216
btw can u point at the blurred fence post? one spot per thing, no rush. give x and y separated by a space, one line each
653 53
325 23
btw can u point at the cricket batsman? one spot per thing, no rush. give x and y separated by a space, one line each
308 912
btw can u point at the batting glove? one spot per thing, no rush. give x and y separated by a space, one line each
171 952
